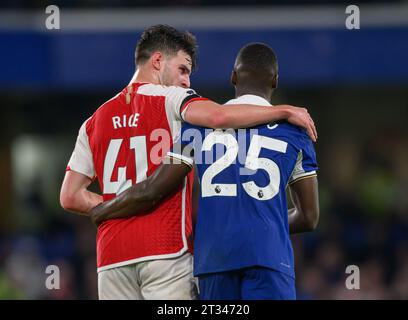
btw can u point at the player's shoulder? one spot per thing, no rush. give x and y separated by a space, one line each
114 102
150 89
287 130
119 100
85 125
105 110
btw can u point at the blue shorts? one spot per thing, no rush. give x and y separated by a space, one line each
255 283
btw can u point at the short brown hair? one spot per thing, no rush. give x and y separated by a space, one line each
165 39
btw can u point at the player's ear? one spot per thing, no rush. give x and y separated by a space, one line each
275 82
157 60
234 78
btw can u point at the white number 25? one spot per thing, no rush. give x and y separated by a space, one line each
252 162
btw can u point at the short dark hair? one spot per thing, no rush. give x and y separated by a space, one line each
258 57
168 40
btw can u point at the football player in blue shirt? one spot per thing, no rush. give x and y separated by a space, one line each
242 247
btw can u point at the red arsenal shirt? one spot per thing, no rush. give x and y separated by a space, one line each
121 144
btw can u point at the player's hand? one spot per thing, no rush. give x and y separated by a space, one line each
301 117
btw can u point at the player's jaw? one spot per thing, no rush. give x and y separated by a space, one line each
176 70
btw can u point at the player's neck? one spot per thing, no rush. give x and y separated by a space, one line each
260 93
142 75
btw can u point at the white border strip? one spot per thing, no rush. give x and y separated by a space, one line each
287 17
185 159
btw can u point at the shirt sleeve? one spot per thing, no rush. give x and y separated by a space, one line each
306 164
81 160
178 100
183 148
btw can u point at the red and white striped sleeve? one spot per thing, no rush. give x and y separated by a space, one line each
178 100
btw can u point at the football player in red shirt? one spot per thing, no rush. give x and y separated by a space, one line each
150 256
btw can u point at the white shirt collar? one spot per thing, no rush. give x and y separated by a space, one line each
249 99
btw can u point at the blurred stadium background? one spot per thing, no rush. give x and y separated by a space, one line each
354 82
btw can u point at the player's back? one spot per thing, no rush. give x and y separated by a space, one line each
242 215
128 136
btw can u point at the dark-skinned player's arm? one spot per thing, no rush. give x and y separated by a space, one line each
305 214
143 196
207 113
196 196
